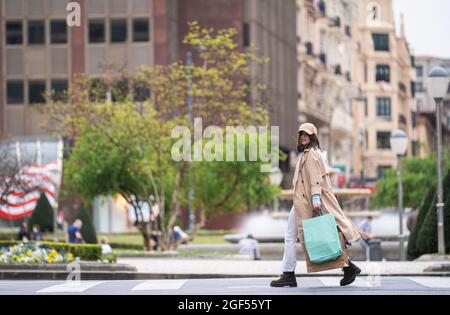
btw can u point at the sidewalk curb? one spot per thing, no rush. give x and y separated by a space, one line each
122 275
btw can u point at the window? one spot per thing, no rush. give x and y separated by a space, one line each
36 92
414 119
14 92
121 90
140 30
58 32
381 171
118 31
97 31
419 71
246 34
14 32
383 73
383 140
36 32
59 89
381 42
384 107
419 87
141 92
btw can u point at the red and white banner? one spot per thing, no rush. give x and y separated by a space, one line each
35 180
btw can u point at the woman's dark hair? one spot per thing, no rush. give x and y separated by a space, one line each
313 143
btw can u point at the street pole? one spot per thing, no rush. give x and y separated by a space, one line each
440 202
400 207
189 64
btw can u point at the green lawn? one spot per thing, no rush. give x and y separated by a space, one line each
204 237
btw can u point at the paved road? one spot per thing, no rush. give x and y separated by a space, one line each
242 286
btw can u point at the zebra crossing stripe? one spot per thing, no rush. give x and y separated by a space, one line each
433 283
335 282
159 285
70 287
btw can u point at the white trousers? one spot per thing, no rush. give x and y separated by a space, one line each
290 244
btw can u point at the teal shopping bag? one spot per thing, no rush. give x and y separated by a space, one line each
322 239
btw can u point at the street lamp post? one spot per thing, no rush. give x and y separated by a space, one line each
439 81
399 144
189 63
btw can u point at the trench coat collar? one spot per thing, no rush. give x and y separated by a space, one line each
303 160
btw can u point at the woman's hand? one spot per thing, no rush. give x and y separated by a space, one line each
317 203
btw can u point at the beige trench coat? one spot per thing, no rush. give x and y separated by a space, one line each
311 178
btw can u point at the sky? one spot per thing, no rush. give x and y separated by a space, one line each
427 24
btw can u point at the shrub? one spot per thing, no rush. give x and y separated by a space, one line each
424 239
88 229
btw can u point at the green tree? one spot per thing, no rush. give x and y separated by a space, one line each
125 148
417 176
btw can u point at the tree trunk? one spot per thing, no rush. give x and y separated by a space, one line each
199 225
145 236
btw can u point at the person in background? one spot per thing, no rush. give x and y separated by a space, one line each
366 227
36 233
154 240
106 248
24 233
180 236
74 232
250 246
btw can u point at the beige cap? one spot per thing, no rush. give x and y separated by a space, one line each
308 128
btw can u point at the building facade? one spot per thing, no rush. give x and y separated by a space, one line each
384 71
40 53
426 107
325 83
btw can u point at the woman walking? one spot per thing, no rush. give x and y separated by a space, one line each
313 193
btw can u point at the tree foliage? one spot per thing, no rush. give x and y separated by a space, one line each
124 147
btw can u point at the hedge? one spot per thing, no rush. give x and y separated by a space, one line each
8 236
423 239
83 251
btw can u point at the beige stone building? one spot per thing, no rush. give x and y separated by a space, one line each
325 83
426 107
384 70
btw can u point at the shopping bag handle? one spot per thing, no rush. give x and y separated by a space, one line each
315 212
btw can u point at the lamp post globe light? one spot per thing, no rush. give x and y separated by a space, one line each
399 144
438 79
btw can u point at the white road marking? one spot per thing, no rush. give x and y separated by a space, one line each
159 285
434 283
71 286
248 287
335 282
